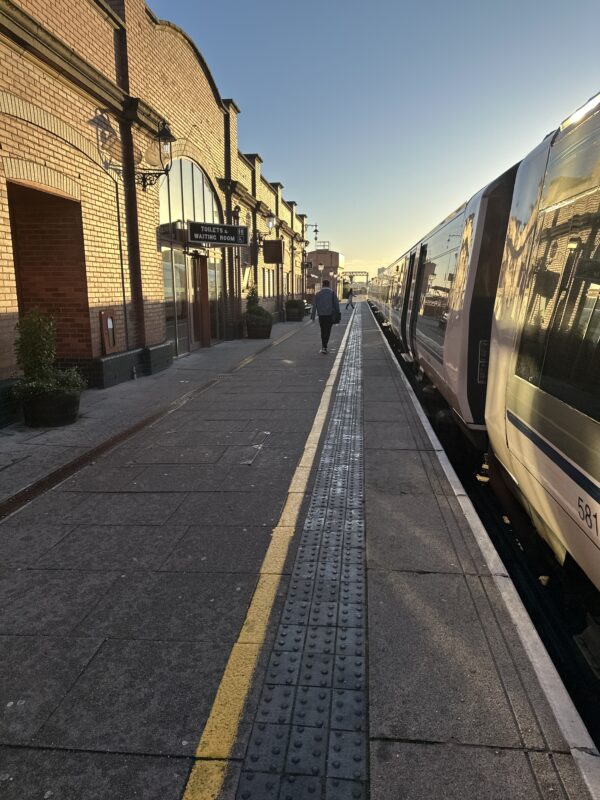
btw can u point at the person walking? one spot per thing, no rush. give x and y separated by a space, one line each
326 305
350 299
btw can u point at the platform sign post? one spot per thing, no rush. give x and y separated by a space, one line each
208 234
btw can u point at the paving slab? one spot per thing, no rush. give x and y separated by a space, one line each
107 508
113 547
384 412
146 697
177 478
423 771
37 672
409 535
229 508
101 478
454 694
227 549
23 544
249 478
177 454
30 773
397 472
49 602
172 606
388 436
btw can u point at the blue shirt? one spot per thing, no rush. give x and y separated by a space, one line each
324 303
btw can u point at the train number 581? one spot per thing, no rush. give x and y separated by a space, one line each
586 515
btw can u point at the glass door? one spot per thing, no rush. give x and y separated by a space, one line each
215 297
182 311
169 305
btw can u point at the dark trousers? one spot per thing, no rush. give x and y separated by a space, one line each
325 323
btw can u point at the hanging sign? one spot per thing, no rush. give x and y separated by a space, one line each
208 234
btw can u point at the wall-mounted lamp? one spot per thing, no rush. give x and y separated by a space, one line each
164 139
573 243
259 237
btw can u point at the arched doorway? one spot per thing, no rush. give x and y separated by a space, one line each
193 285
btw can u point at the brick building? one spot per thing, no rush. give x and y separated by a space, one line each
325 264
85 88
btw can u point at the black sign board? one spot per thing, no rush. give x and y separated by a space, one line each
205 234
273 251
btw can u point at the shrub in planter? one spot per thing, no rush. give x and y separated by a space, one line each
294 310
49 396
258 320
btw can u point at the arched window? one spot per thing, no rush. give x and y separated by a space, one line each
186 194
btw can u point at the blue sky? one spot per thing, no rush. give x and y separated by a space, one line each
380 117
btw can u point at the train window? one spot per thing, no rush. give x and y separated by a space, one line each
574 163
560 343
399 278
436 283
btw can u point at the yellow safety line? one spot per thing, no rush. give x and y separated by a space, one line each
220 732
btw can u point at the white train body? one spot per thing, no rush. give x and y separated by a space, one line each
543 399
515 273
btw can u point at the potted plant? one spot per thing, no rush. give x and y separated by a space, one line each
49 396
258 320
294 310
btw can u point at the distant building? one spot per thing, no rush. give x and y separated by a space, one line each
333 267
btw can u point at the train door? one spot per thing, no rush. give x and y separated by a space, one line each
414 300
406 300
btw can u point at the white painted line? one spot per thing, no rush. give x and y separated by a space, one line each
571 725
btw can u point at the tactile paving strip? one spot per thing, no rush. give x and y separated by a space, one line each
308 739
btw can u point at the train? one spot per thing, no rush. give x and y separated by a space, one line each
499 308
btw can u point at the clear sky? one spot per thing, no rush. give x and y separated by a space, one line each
380 117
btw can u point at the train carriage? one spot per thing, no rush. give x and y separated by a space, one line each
543 400
515 273
439 297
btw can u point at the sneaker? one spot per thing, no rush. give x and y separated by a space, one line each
323 350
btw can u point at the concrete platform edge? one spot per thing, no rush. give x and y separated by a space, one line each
582 748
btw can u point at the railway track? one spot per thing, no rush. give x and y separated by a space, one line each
561 601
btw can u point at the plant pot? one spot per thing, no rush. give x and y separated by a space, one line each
294 315
51 410
258 328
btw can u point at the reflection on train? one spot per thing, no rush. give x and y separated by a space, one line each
499 306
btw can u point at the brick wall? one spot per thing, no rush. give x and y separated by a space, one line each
47 234
46 128
188 99
244 173
285 213
81 25
49 136
266 193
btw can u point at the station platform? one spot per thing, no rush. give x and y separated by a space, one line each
276 589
